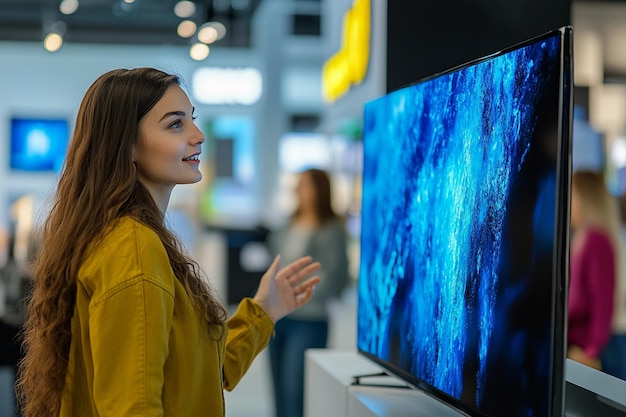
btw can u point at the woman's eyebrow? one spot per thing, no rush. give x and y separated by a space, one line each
173 113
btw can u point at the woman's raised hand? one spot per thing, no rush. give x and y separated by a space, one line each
282 291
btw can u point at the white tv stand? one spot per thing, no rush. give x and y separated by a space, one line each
328 390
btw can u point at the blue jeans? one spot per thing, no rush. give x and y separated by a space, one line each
614 356
291 339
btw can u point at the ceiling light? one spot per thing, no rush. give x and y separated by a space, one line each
129 1
186 29
199 51
68 7
207 34
217 26
184 9
53 42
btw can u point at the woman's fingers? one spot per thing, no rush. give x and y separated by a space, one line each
275 266
303 273
303 297
306 286
296 265
299 269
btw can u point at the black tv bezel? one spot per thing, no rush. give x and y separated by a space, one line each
561 243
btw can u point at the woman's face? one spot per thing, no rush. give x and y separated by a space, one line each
168 149
305 191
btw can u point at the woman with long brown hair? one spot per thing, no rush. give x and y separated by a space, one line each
314 228
121 321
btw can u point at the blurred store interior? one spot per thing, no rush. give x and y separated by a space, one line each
255 71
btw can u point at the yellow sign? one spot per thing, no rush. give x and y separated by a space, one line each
349 65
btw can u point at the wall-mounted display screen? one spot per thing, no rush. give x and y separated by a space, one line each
464 237
230 143
38 144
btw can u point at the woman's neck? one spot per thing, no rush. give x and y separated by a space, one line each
306 218
160 195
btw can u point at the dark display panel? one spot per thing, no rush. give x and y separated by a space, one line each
465 219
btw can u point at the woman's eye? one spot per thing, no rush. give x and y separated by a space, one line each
176 125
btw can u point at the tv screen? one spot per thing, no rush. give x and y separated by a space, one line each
38 144
464 237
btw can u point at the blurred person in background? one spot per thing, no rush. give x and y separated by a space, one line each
614 354
316 230
595 261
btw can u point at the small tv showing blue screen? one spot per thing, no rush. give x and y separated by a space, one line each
464 237
38 144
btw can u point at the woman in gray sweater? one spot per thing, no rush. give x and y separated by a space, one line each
314 229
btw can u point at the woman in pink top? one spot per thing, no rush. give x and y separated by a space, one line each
593 267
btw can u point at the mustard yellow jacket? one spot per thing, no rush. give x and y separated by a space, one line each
139 348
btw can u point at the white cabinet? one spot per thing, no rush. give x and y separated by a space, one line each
329 391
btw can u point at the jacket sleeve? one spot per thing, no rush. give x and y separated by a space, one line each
129 335
249 332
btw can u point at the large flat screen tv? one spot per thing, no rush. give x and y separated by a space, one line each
464 237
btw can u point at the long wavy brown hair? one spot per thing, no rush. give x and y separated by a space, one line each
98 185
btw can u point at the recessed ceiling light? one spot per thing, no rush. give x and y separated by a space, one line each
184 9
68 7
207 34
199 51
219 27
53 42
186 29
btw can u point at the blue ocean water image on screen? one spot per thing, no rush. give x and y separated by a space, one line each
458 231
